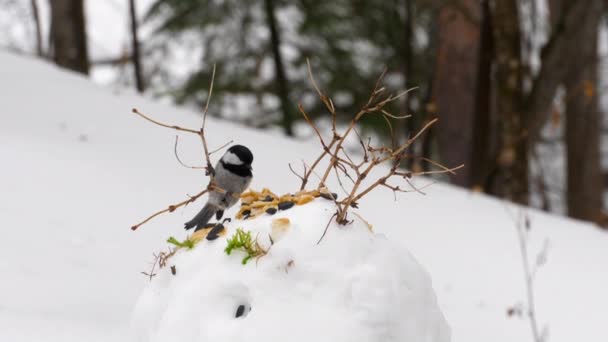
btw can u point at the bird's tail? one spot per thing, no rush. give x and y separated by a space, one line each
202 218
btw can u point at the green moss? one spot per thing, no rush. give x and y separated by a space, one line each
189 244
242 240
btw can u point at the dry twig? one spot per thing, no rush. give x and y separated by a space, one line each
208 168
373 157
523 227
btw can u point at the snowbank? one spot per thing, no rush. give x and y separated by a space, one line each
353 286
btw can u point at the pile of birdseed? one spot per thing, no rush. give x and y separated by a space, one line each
254 204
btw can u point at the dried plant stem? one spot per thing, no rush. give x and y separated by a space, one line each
171 208
178 128
327 227
201 133
342 163
529 277
208 167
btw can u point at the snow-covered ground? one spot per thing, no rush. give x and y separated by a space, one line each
78 169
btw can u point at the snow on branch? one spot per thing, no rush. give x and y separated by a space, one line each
343 166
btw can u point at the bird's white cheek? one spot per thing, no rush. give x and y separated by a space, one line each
231 158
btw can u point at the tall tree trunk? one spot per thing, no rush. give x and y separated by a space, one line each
484 130
510 179
583 122
136 58
556 57
281 79
455 83
583 119
36 16
409 125
68 35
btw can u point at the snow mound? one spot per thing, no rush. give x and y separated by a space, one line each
353 286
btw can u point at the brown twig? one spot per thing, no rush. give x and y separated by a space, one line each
327 227
160 259
179 159
150 274
136 111
342 163
295 173
201 133
208 167
221 147
171 208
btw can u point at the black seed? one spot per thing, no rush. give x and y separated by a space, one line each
240 311
331 197
246 212
286 205
326 196
268 198
271 211
215 232
173 270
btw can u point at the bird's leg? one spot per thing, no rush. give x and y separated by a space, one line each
219 214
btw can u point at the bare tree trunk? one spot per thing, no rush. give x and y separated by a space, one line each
484 130
511 174
584 182
68 35
556 56
281 78
455 84
36 16
583 122
135 57
409 125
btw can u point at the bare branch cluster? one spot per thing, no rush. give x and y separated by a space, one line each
209 171
343 166
160 261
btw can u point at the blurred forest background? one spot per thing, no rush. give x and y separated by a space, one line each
517 84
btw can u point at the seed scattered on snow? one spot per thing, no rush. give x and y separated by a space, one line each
240 311
328 196
286 205
215 232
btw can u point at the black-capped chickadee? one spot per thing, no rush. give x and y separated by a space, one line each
232 175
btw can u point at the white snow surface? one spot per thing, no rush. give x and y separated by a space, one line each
352 286
78 169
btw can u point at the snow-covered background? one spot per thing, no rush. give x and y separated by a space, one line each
78 169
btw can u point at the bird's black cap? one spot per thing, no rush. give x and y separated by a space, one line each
243 153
